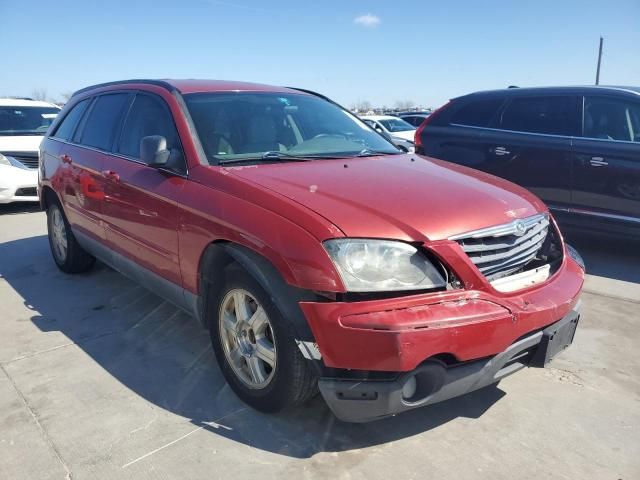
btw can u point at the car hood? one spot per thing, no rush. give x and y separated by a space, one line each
20 143
405 197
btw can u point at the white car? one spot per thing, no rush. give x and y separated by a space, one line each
22 126
402 133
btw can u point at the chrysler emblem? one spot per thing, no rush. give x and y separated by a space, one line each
519 228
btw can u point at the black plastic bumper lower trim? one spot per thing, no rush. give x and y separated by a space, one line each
363 401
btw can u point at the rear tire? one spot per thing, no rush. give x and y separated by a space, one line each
286 380
69 256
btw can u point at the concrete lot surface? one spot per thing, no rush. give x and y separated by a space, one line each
101 379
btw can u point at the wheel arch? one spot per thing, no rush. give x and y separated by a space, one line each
48 196
211 276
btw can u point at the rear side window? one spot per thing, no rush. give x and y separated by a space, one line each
554 115
67 127
104 118
415 121
148 116
611 119
478 113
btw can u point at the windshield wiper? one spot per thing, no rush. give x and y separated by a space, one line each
367 152
273 155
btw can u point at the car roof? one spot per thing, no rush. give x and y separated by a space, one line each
569 90
23 102
187 86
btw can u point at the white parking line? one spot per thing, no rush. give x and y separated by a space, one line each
214 424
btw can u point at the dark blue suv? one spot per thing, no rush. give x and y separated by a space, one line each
578 148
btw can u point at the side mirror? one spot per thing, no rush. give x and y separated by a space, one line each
153 151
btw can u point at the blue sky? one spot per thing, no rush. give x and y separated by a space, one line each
426 51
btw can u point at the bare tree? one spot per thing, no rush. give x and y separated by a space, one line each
66 96
39 94
363 105
404 104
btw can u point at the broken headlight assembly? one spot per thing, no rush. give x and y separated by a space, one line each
369 265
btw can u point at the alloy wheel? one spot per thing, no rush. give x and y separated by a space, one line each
59 235
247 338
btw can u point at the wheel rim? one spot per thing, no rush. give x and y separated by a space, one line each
247 339
59 235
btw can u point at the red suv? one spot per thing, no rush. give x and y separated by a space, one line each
316 253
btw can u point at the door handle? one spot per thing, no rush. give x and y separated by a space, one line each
66 158
111 175
598 162
500 151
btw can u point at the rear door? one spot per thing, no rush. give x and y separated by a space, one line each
607 160
531 144
140 208
82 156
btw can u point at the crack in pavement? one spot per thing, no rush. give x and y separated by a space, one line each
45 434
612 297
83 341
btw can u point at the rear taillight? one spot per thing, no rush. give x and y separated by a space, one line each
418 136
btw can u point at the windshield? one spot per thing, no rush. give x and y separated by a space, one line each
396 125
26 120
264 126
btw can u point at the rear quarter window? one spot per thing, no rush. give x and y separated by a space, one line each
70 121
477 113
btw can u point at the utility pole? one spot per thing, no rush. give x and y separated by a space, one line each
599 61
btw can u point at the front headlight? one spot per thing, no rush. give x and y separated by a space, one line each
367 265
4 160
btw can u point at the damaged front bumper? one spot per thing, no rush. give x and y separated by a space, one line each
433 381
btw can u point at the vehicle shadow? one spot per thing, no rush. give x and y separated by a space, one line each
164 356
19 207
606 255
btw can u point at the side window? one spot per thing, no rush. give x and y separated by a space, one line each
612 119
478 113
375 125
68 125
148 116
100 128
555 115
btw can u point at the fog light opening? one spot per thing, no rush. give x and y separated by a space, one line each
424 382
409 388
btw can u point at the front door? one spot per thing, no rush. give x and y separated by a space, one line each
607 161
140 208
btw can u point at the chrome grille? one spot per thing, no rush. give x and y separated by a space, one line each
501 250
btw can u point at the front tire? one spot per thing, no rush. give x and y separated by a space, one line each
69 256
255 346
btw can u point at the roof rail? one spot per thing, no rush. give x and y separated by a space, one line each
311 92
158 83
